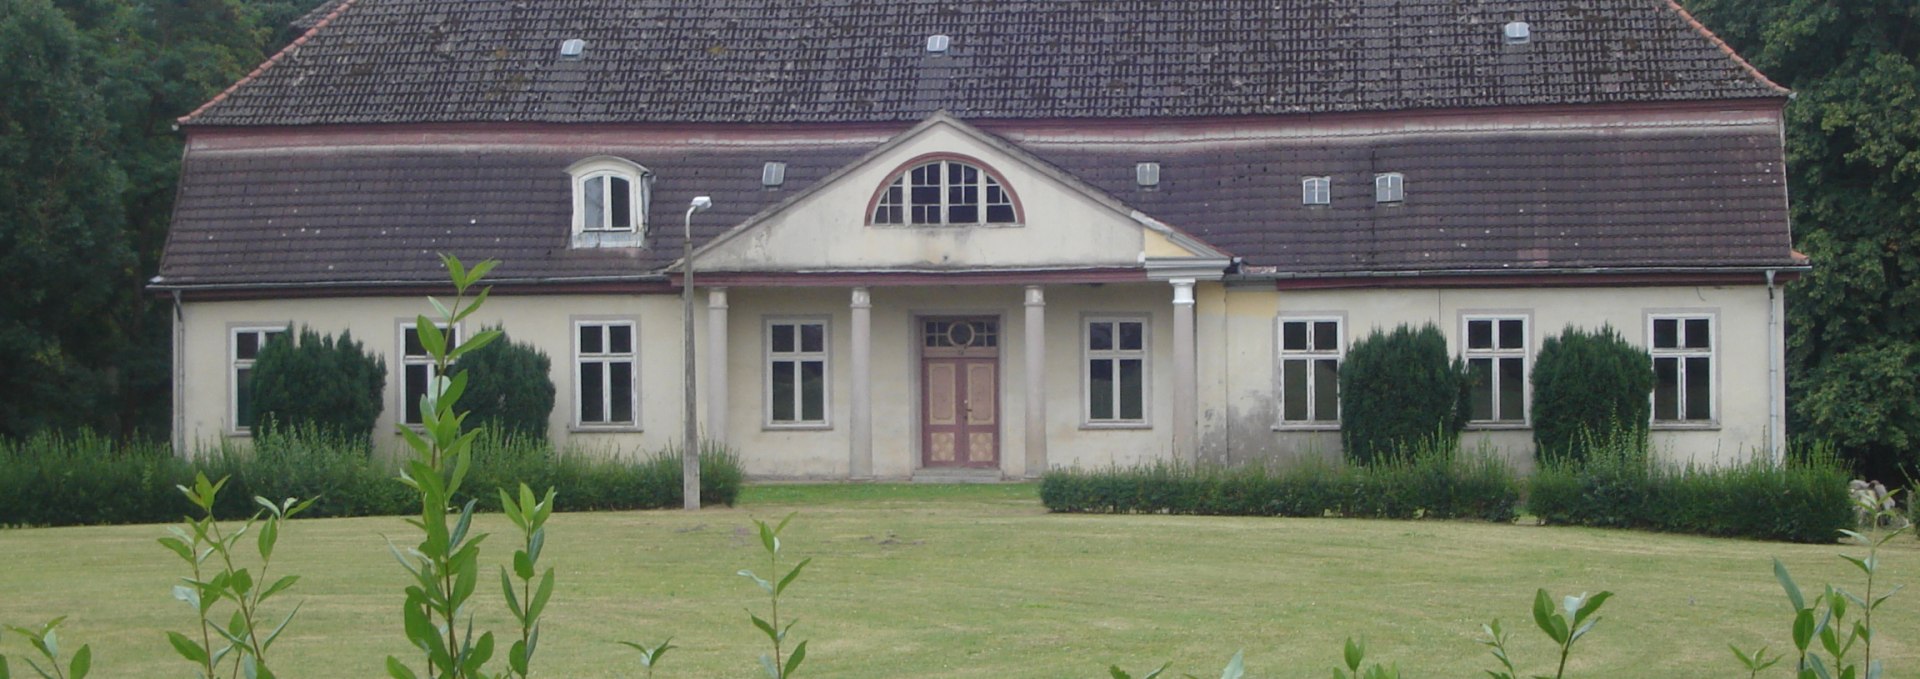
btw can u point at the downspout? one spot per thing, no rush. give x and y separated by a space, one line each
1776 445
179 378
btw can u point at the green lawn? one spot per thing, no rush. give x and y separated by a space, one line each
979 581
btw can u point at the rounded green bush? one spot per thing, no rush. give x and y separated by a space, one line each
321 385
1398 391
509 388
1590 388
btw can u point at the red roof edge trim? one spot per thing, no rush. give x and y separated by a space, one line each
1722 44
269 63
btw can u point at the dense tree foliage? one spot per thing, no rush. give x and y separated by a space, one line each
1589 387
1853 156
508 388
1400 390
88 165
318 385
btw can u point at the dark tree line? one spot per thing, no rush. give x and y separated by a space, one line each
89 90
1853 156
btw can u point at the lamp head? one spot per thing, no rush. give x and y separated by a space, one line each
701 203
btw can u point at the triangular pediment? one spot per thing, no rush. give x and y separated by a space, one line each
1061 222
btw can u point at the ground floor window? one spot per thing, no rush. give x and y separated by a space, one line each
1496 354
796 372
1116 373
417 370
243 347
605 365
1310 353
1682 348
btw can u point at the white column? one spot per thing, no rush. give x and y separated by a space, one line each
1186 372
717 390
1036 351
860 455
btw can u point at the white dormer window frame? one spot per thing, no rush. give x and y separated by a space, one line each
1389 187
1316 190
610 200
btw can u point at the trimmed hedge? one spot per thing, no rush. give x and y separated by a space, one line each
1430 486
1804 501
51 480
1400 390
1589 384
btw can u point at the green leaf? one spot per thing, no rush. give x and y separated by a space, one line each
795 573
1544 617
1236 668
1591 606
793 661
1803 629
1355 654
279 586
540 595
513 600
768 586
766 663
396 670
282 627
82 663
432 338
1786 582
522 566
1115 672
178 547
765 628
187 648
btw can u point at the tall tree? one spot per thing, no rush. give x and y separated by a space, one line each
1854 176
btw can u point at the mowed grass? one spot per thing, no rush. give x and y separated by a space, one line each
979 581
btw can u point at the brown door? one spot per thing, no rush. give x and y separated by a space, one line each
960 392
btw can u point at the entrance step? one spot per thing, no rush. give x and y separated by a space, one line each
939 475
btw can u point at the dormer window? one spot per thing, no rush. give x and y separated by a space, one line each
1390 187
1316 190
944 193
609 202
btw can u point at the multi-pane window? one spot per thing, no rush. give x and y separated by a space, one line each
1682 349
1310 352
417 370
1390 187
797 372
245 347
607 202
605 388
1116 355
1496 351
944 192
1316 191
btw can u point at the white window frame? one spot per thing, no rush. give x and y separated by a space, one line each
769 357
1389 187
982 205
1680 354
400 350
631 358
1495 354
1114 355
639 195
235 364
1316 191
1282 355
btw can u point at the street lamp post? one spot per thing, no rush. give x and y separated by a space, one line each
690 446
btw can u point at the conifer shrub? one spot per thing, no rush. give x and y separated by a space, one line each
1400 390
509 388
320 384
1588 386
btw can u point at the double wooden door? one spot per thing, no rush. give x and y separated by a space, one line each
960 392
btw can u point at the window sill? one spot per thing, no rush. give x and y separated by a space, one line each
1498 426
816 426
1331 426
603 429
608 239
1121 426
1699 425
239 433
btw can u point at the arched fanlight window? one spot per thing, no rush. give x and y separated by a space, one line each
945 192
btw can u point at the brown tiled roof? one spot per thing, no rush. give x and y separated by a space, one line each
1505 201
1485 201
797 61
381 214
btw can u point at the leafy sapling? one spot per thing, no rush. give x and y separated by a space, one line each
530 516
1756 662
649 656
774 665
445 564
1565 625
1822 620
1356 654
1117 673
245 638
46 642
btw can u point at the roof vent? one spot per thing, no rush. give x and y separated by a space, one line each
773 174
1519 33
572 49
937 44
1147 175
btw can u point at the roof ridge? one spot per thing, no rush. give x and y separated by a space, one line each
1717 42
269 63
